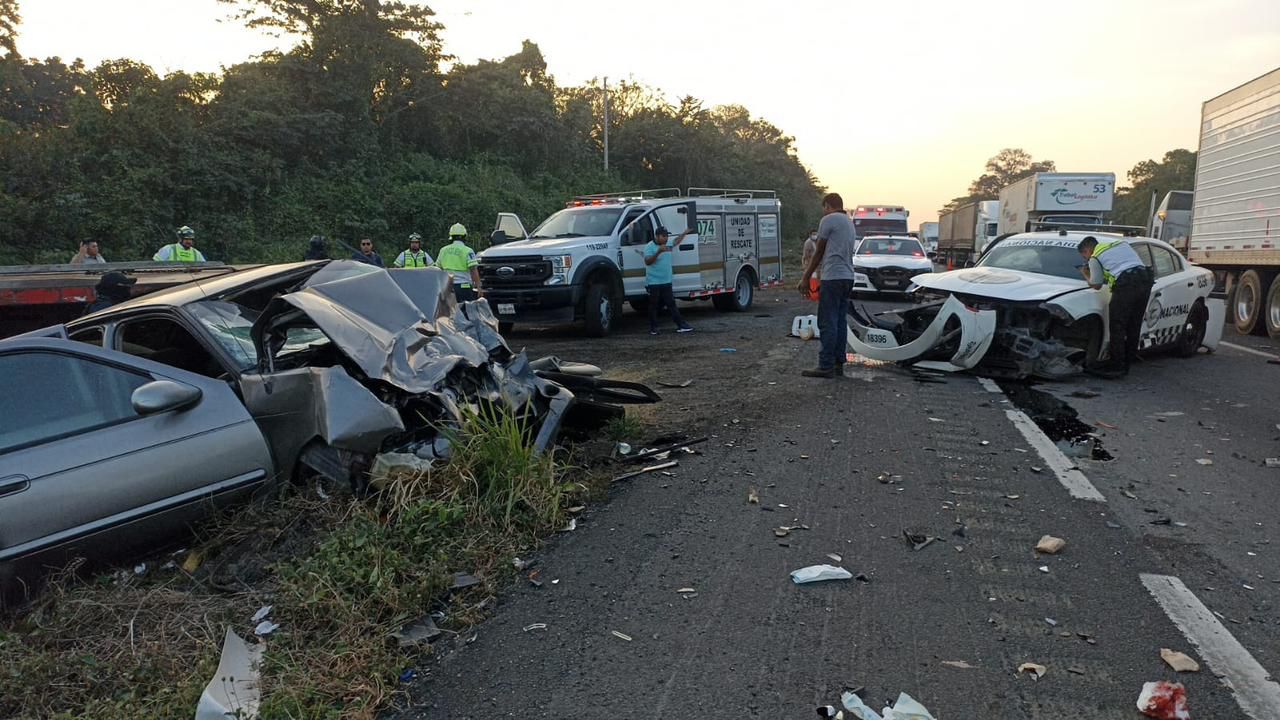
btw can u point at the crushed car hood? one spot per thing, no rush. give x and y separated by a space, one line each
999 284
904 261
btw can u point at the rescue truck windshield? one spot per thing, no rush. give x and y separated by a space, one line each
579 222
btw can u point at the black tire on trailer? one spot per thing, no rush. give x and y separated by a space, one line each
599 309
1247 303
1192 335
1271 309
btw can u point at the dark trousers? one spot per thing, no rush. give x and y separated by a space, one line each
464 294
1129 297
833 321
659 295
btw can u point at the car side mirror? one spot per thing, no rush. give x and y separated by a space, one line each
499 237
160 396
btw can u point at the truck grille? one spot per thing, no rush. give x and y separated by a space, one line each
514 271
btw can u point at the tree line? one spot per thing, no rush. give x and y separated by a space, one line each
364 128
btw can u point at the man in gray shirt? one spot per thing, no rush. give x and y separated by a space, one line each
835 258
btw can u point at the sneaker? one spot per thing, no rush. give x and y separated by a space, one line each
819 373
684 329
653 332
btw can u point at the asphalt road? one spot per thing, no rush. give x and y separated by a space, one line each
855 461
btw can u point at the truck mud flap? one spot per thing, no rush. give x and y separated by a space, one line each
1217 308
977 330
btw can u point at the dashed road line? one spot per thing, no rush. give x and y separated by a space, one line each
1067 473
1250 350
1256 693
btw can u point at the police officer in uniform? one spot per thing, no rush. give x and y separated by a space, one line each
461 261
1116 264
415 258
181 251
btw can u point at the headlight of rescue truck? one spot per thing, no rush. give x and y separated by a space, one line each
560 266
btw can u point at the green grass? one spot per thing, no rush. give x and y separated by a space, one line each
624 429
145 647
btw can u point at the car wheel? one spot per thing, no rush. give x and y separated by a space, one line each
599 310
1192 336
505 327
1246 306
1093 343
744 293
1273 309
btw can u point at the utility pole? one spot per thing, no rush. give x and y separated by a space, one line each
1151 214
606 123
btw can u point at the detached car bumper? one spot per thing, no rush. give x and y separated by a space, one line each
959 334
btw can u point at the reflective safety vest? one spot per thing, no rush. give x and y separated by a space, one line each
1115 258
177 253
458 259
416 261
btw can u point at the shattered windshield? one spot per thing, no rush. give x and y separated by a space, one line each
230 325
1047 257
899 246
579 222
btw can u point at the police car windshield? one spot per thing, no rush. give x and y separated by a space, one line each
579 222
903 246
1047 257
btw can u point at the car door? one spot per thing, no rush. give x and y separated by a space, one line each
635 235
685 265
1172 294
104 458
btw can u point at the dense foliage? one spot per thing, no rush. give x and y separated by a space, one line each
364 128
1175 171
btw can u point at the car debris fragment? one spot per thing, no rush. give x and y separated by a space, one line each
1180 662
1050 545
233 692
1036 670
819 573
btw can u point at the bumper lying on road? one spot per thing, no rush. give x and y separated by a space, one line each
967 330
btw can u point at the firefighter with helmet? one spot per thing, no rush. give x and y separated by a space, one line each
460 261
182 251
415 258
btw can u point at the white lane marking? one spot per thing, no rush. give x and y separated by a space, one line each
1249 350
1071 478
1256 693
989 385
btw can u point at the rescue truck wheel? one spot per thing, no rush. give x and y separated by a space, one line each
599 309
1247 303
1192 336
1273 309
744 292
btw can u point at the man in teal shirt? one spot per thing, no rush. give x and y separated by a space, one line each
658 277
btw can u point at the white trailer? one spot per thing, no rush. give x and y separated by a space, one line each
1052 201
1235 216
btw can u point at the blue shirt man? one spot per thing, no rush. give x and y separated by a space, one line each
658 277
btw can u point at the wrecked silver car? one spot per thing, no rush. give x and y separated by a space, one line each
1025 310
146 416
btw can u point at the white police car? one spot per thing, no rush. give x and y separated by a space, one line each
886 264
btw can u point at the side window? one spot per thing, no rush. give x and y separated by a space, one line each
1165 263
89 336
629 218
510 225
672 219
165 341
61 395
1144 252
641 231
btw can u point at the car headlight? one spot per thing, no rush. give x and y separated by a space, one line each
1058 312
561 262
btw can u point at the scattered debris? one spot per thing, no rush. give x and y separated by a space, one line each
1204 461
917 538
684 384
465 580
622 636
535 626
1075 670
904 708
753 496
1272 462
834 557
573 525
1051 622
522 565
1050 545
1107 425
192 562
1037 469
622 448
1044 568
1012 497
262 613
958 664
781 532
934 419
662 449
819 573
1164 701
1085 394
649 469
140 569
1162 521
417 632
862 577
685 590
266 627
728 350
1170 413
828 711
233 691
1180 662
1037 671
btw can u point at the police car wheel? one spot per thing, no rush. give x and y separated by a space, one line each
1192 336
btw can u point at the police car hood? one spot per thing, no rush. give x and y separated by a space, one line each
1001 284
903 261
540 246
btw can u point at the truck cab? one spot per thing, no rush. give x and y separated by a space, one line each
585 260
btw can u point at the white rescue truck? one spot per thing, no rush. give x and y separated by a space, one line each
585 260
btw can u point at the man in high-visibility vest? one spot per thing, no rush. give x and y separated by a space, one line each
415 258
461 262
1115 264
182 251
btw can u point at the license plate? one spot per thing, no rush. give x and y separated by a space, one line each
892 283
506 309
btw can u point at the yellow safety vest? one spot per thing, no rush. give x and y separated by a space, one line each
416 261
458 259
180 254
1098 251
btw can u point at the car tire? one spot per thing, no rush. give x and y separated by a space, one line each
1247 303
1192 335
505 327
1272 309
744 293
599 309
1093 343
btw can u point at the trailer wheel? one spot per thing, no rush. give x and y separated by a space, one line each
744 292
1192 336
1247 303
599 309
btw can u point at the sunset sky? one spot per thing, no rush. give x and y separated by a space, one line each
890 102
